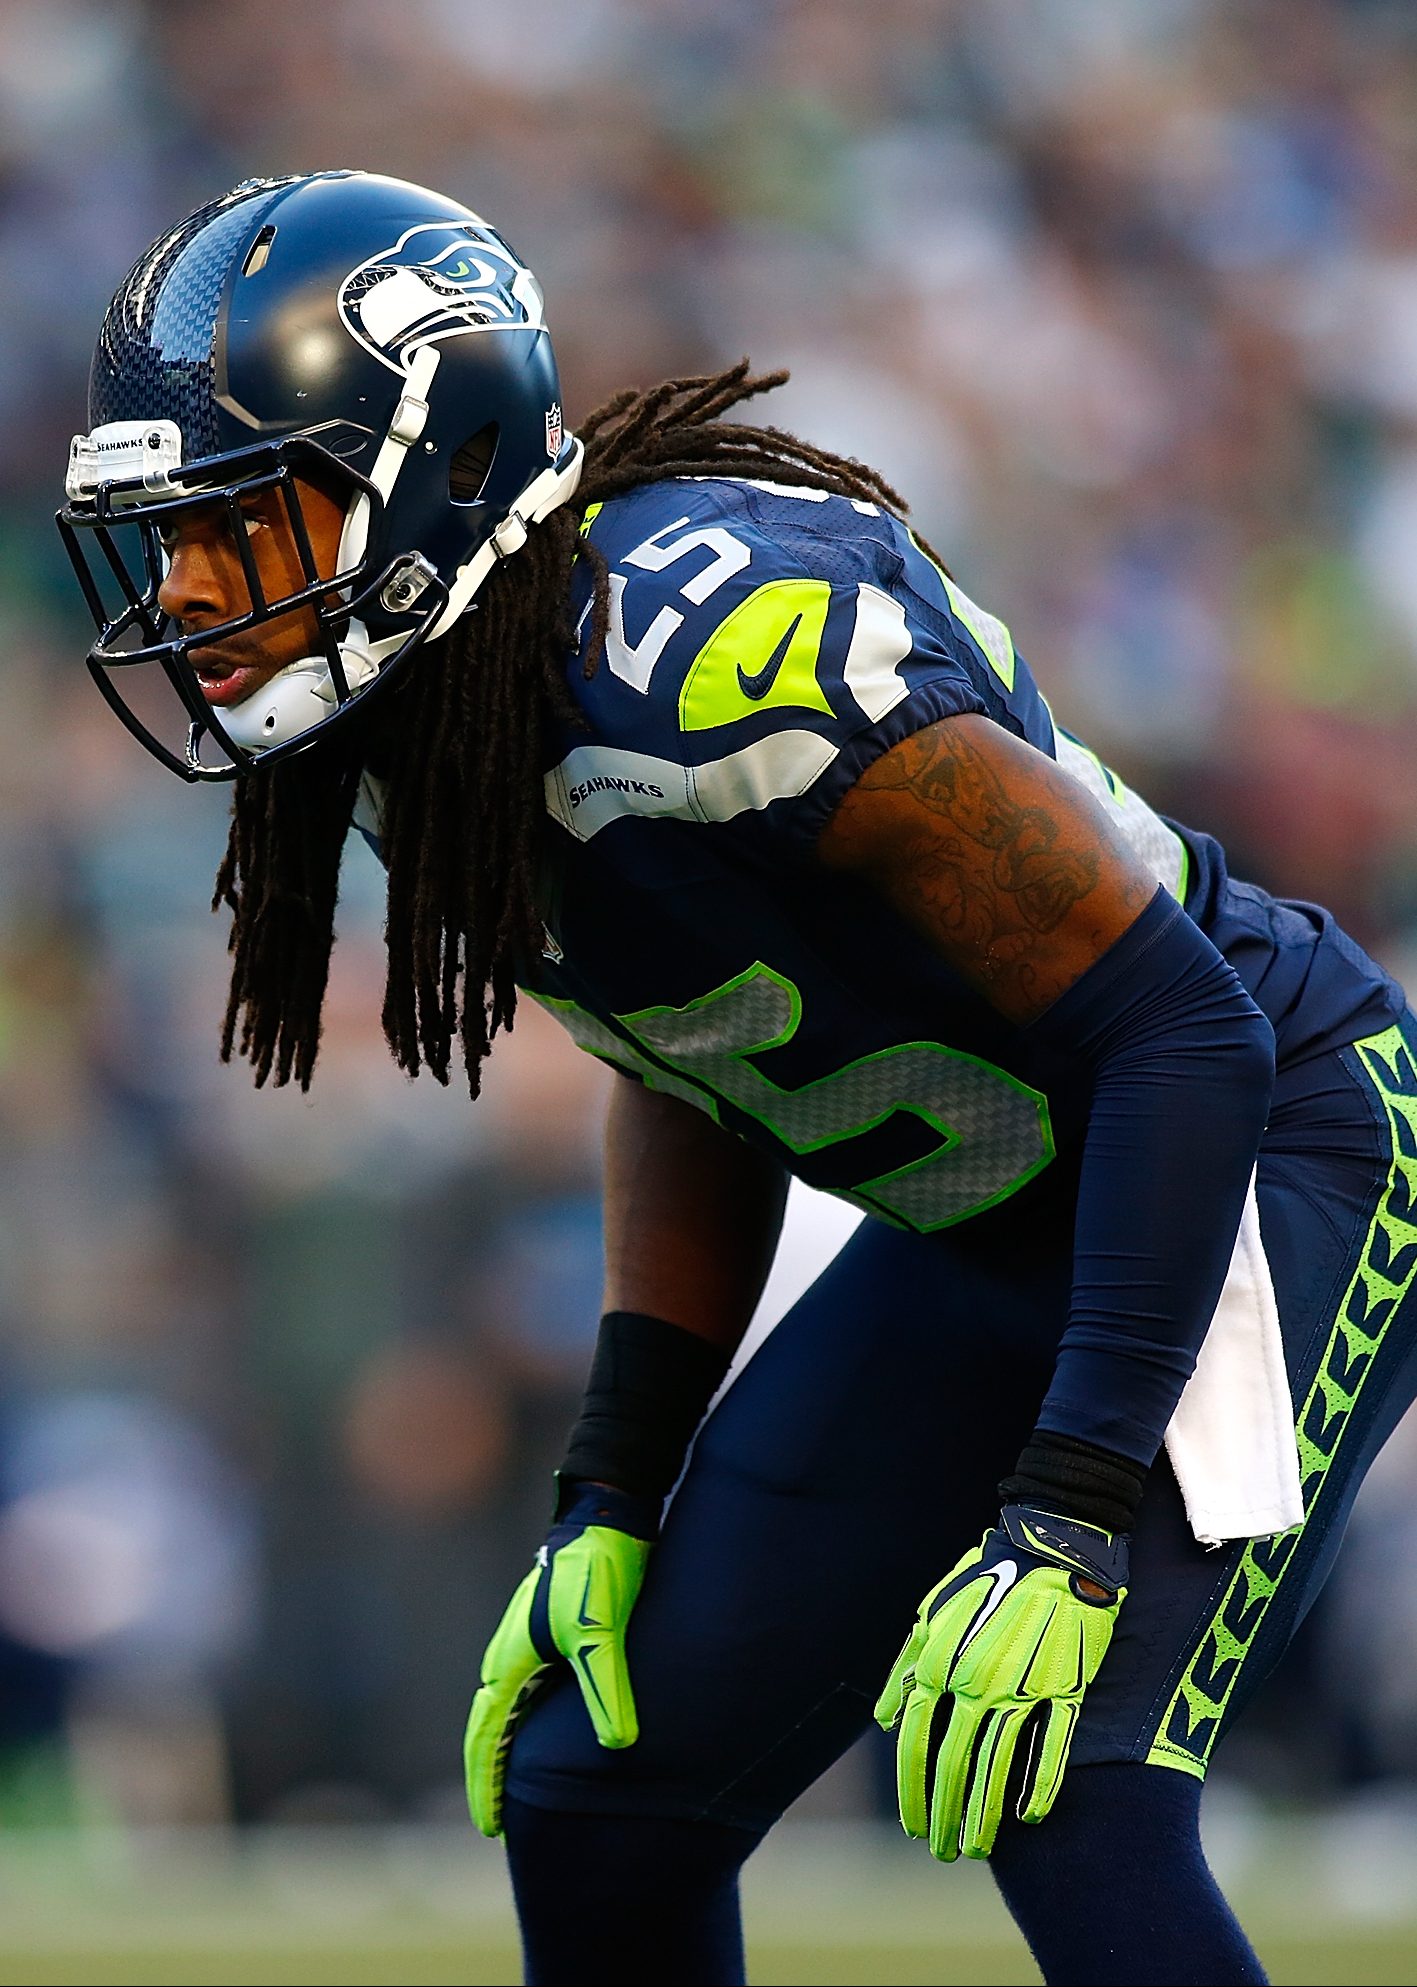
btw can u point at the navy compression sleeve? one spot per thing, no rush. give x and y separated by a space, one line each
1183 1065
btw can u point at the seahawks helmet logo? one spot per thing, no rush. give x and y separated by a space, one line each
441 279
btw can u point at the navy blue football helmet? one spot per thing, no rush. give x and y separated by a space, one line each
370 336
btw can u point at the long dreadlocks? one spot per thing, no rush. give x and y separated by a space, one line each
465 759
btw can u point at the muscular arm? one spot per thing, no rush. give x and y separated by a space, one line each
998 857
692 1216
691 1223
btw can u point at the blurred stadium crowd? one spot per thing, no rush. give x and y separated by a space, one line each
1123 298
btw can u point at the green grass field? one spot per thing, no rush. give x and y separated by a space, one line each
825 1903
420 1962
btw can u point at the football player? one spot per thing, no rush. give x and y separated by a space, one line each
676 727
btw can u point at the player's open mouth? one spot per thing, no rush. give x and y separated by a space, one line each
224 683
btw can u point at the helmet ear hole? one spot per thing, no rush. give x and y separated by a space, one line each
472 465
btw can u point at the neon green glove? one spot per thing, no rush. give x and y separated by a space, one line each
1007 1642
572 1607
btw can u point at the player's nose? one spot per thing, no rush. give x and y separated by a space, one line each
200 586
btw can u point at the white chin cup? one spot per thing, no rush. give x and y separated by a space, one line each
301 694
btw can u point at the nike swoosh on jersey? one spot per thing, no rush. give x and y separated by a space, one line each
756 686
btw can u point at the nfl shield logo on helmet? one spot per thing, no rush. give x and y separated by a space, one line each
553 429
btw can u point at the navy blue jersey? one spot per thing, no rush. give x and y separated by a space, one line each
766 644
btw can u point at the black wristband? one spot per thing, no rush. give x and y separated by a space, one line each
649 1385
1077 1480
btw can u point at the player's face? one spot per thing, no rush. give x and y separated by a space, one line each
206 585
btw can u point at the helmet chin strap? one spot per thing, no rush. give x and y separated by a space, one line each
302 693
542 495
409 420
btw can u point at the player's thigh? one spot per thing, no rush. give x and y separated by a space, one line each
851 1462
1338 1213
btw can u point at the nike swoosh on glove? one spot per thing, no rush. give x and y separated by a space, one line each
1002 1650
573 1607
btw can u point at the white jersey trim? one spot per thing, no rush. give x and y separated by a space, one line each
597 784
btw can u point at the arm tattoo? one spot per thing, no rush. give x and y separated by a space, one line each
1032 866
993 867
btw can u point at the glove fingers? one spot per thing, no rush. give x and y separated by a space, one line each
891 1702
484 1750
511 1669
604 1678
952 1776
914 1751
487 1743
595 1581
989 1780
1045 1769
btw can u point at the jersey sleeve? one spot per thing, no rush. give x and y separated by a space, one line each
808 659
889 674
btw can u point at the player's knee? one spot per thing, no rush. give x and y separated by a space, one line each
1159 1915
1117 1810
613 1853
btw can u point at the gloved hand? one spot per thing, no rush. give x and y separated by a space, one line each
572 1607
1009 1640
